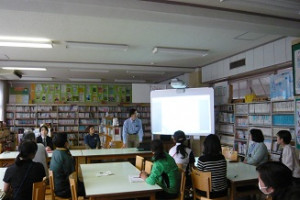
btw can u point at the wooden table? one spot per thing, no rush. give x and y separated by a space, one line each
239 174
117 185
108 154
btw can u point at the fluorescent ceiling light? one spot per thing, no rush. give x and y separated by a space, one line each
25 42
145 72
129 81
71 44
25 68
168 50
85 79
28 78
90 70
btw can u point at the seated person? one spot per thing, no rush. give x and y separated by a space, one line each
164 172
92 140
182 154
288 156
41 154
213 161
23 173
62 164
275 179
257 151
44 138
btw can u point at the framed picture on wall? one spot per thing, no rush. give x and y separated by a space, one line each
296 67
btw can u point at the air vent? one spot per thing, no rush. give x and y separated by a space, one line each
238 63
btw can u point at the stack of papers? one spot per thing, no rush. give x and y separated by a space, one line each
135 179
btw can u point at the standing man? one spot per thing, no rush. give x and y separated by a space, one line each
132 130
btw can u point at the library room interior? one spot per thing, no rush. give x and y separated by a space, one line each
150 99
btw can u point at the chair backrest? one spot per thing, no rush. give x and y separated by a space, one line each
108 140
201 181
148 166
116 144
39 190
73 185
51 183
230 154
179 165
139 162
182 184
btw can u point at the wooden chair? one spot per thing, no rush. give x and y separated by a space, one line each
51 183
116 144
39 190
202 181
73 186
148 166
139 162
107 142
182 185
230 154
180 166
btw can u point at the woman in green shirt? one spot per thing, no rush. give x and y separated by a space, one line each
164 172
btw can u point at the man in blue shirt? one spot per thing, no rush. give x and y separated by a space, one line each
132 130
92 140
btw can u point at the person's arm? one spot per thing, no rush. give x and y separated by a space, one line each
49 142
257 154
192 159
141 132
155 175
86 142
69 165
124 133
287 157
6 187
98 145
200 165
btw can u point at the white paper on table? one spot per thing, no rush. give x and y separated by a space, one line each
135 179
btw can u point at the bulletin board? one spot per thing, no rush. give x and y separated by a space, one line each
296 67
80 93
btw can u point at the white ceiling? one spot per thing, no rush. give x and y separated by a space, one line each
142 25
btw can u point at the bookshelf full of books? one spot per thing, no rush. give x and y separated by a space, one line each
269 116
72 119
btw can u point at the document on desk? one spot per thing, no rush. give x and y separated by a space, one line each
135 179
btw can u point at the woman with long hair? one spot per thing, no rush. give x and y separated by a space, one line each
213 161
164 172
24 172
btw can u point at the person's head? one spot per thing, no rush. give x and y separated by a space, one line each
44 130
179 136
27 151
91 130
60 140
157 149
257 135
28 135
273 177
133 113
212 145
284 137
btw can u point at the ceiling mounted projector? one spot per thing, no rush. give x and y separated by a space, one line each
177 83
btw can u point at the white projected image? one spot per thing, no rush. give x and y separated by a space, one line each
191 112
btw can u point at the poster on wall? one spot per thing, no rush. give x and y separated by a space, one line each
83 93
19 95
296 67
297 128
